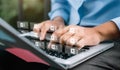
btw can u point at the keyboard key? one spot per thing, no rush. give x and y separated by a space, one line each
24 25
52 28
32 25
71 50
56 47
48 36
39 44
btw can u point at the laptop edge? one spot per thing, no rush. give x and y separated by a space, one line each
28 45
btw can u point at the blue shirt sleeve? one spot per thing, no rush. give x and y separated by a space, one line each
59 8
117 21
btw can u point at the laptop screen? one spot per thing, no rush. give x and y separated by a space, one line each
9 38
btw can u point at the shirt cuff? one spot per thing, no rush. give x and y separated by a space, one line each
117 21
60 13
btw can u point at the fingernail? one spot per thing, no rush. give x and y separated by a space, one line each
41 37
79 48
49 46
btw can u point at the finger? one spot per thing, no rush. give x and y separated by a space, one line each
54 38
49 45
66 33
65 37
37 28
73 40
64 30
44 29
81 43
57 34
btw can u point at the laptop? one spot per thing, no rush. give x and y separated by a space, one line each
10 36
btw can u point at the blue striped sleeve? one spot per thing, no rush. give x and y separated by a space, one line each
117 21
59 8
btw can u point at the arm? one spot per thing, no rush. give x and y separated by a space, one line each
85 36
58 15
59 8
108 31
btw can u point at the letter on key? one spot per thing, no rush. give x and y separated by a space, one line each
72 30
53 38
52 28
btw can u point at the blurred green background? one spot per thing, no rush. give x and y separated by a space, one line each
24 10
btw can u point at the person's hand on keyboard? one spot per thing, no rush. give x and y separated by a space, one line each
50 25
76 36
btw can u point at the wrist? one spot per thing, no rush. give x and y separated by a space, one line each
59 19
99 34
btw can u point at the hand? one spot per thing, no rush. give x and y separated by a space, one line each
42 28
76 35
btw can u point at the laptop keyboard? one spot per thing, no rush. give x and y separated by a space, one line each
57 50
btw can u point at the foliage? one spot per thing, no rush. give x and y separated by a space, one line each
32 10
